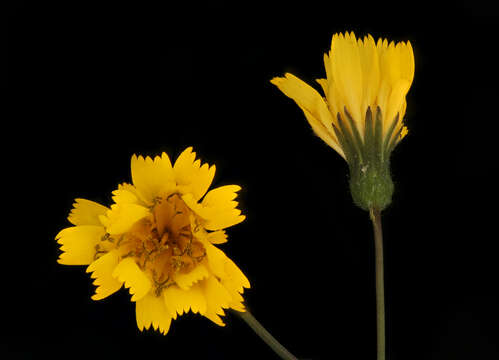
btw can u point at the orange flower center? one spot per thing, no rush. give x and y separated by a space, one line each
162 244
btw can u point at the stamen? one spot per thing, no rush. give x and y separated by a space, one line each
129 254
98 252
172 195
167 249
120 240
106 237
196 228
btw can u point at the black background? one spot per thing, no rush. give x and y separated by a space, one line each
87 85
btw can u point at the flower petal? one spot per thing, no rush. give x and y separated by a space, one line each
190 176
347 74
323 134
395 102
79 244
129 272
217 211
185 281
216 259
151 309
313 106
122 216
225 219
217 298
236 276
86 212
125 195
217 237
324 85
223 212
370 72
180 301
102 270
221 197
234 283
150 177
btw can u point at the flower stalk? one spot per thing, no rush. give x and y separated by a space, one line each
265 335
375 216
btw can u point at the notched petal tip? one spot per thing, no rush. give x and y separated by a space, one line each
277 80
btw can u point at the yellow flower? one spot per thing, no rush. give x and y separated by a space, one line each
362 111
158 239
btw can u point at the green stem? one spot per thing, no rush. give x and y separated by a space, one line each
375 216
265 335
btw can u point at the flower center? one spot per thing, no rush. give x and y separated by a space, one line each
162 244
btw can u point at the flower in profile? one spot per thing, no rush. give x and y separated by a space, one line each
361 113
158 240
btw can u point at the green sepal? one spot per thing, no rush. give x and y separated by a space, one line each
393 142
352 152
369 135
371 185
389 145
357 140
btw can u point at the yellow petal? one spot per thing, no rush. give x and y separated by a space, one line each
322 133
122 216
199 209
329 73
102 270
324 85
151 310
128 271
216 260
190 176
79 244
150 177
237 301
236 276
217 298
221 197
305 96
224 219
185 281
217 237
180 301
313 106
234 282
125 196
404 132
395 101
402 110
217 208
86 212
370 72
222 207
407 59
347 74
382 97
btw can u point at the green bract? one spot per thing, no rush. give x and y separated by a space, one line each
368 158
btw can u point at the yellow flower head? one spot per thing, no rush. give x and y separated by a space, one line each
361 75
158 240
361 113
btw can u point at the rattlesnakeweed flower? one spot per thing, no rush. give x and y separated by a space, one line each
159 240
361 113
